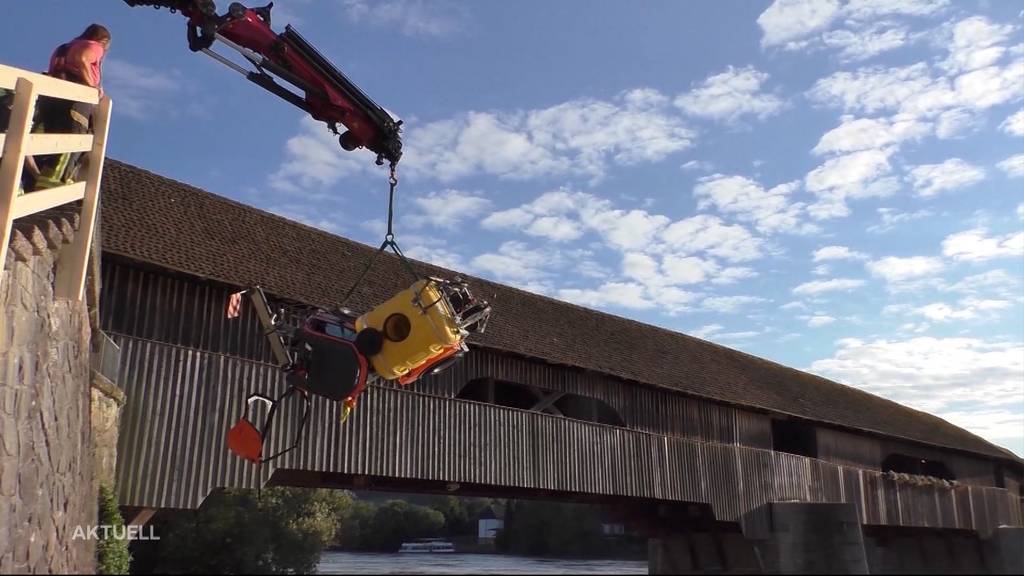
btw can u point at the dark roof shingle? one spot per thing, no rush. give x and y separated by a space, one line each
154 219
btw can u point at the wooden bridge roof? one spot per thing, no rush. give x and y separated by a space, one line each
157 220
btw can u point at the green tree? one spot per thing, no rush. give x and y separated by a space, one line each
112 555
397 521
461 514
355 526
282 532
549 529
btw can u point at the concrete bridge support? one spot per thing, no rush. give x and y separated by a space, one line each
802 538
1003 552
813 538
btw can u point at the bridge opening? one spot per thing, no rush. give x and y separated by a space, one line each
523 397
904 464
794 437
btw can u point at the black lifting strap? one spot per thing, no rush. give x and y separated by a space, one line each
389 242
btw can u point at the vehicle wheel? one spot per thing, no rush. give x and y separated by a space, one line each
369 341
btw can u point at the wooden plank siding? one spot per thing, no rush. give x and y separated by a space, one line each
157 305
172 450
848 449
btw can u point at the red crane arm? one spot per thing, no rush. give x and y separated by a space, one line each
328 95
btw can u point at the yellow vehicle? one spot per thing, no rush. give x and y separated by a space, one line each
419 326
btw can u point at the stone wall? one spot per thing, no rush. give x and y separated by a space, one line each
47 486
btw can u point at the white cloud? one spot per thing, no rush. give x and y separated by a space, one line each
869 27
788 20
815 287
930 374
1014 124
857 175
437 255
729 304
915 91
621 294
698 165
872 9
629 295
976 43
714 332
141 92
581 138
733 274
875 89
837 253
891 218
956 123
478 142
555 228
968 309
632 230
819 321
589 134
857 45
855 134
447 209
411 17
314 161
770 211
1013 166
704 233
515 262
658 256
730 95
551 215
677 269
894 269
656 252
992 283
1002 427
954 173
974 245
990 86
705 332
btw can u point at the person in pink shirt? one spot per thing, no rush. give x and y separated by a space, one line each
79 61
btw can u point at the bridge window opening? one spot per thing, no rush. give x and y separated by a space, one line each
512 395
794 437
903 464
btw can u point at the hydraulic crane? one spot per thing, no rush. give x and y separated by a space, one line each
332 354
327 94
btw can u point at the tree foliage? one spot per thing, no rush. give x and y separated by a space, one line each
281 532
461 514
548 528
112 555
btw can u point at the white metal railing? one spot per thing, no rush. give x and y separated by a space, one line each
18 142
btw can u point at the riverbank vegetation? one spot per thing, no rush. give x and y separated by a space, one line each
284 530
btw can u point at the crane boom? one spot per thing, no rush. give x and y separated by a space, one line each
327 94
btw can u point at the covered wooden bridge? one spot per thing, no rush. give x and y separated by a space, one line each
553 401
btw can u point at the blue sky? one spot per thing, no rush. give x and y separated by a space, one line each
835 185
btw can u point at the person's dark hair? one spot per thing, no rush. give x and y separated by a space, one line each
96 32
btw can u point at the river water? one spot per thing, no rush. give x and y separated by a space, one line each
366 563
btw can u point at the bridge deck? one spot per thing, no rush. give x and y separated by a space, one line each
184 400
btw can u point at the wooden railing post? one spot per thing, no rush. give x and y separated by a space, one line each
70 282
11 166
